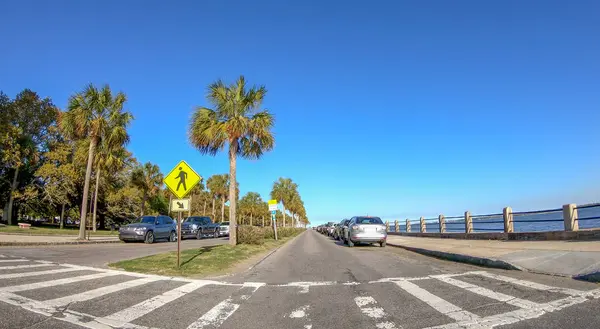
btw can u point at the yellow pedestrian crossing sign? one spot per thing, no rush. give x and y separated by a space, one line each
182 179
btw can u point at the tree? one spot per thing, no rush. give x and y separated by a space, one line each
282 190
218 186
148 179
250 205
236 121
92 114
295 205
26 124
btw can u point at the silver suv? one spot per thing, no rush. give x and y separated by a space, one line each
149 229
365 229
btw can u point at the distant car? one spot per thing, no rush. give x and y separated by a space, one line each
199 227
365 229
224 230
331 230
149 229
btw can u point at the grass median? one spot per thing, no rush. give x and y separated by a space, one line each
204 261
52 230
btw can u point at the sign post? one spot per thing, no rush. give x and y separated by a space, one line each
181 180
273 210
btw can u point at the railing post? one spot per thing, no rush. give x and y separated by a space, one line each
423 225
407 225
387 225
442 221
396 226
571 216
508 220
468 223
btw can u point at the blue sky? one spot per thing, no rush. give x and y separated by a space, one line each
392 108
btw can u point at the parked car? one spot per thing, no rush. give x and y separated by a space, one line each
149 229
224 229
331 230
365 229
199 227
339 230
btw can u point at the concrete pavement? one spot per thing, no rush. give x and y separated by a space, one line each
312 282
577 259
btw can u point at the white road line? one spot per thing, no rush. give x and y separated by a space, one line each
436 302
520 314
52 283
216 315
149 305
304 286
91 294
529 284
2 256
14 267
26 274
13 260
518 302
367 305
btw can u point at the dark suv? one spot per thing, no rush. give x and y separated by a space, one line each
199 226
149 229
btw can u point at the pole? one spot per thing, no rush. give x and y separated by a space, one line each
179 239
190 212
273 219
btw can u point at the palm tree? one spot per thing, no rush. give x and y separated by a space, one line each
148 179
282 191
236 121
295 204
213 185
110 158
250 204
92 114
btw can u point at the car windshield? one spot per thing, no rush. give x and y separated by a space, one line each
146 220
368 220
224 223
193 219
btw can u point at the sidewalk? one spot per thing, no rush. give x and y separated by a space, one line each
576 259
35 240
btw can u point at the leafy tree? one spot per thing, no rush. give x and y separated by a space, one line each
218 186
250 205
93 114
26 124
236 121
282 190
148 179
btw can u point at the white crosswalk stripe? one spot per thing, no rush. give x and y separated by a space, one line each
222 311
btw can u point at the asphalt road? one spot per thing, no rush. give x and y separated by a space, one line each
312 282
99 255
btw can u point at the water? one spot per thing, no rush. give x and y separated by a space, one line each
523 223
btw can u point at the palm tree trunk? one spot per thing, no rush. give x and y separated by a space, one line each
232 196
214 214
96 200
283 205
204 209
86 188
62 217
11 198
144 202
250 219
263 221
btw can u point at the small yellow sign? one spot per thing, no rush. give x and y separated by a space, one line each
272 205
182 179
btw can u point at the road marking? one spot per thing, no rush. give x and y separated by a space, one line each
52 283
367 306
216 315
2 256
26 274
299 312
149 305
304 286
529 284
91 294
436 302
13 260
518 302
14 267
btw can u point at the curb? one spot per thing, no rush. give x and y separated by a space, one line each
57 235
487 262
23 244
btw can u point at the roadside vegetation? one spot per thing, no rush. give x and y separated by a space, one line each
53 230
215 260
71 167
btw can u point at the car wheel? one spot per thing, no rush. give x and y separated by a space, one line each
382 244
216 234
149 237
350 243
199 235
173 237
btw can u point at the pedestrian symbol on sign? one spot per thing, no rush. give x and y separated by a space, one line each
182 177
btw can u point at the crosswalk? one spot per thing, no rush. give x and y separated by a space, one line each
104 298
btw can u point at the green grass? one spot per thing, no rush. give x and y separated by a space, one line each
51 230
197 262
